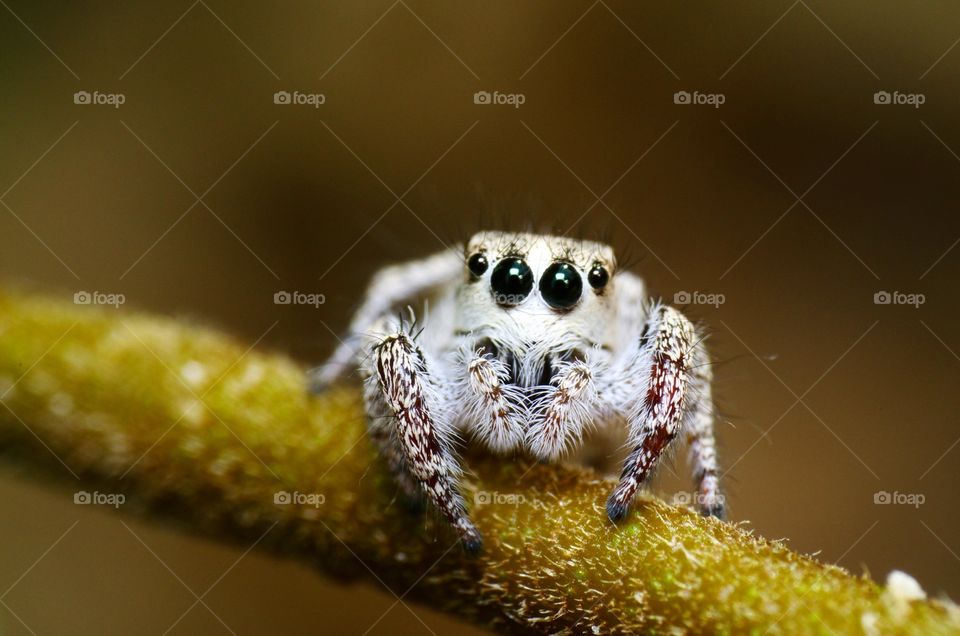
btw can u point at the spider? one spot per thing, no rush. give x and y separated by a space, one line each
528 342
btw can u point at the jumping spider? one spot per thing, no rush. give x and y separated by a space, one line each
529 341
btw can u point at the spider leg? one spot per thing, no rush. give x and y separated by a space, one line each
390 286
563 410
491 406
698 424
663 362
382 430
423 430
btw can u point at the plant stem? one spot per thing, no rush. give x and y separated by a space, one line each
192 427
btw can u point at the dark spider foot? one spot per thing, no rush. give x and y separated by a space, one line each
472 541
717 510
617 511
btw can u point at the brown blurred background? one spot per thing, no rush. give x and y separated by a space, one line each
830 398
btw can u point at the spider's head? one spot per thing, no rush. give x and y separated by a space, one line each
538 282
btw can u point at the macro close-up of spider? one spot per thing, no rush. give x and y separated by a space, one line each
515 351
416 317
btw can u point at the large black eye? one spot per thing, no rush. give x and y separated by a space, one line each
478 264
598 276
511 281
561 285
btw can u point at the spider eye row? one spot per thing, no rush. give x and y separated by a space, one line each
561 285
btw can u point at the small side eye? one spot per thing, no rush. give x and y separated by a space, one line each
598 276
478 264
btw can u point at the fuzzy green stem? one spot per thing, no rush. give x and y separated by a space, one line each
192 427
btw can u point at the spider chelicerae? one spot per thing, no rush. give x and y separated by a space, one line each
528 342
